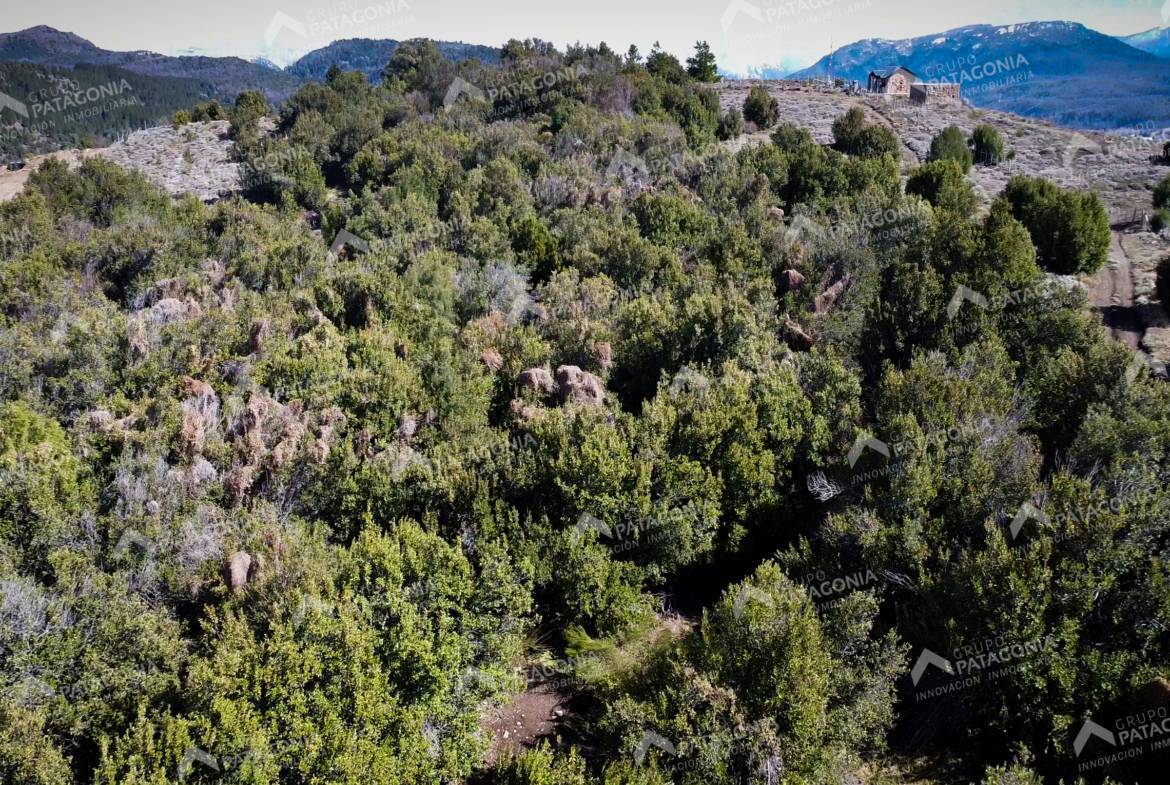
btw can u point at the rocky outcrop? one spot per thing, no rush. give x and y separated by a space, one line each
795 336
579 386
538 379
791 280
238 567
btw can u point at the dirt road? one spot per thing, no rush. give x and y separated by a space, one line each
1112 294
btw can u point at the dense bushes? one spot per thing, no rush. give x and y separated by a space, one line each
1070 228
942 184
853 136
987 145
1162 283
760 107
949 144
186 385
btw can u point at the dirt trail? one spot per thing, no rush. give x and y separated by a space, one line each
530 716
1112 294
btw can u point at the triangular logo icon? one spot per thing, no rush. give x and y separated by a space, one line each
193 755
925 660
736 7
651 739
461 86
586 523
1027 512
282 21
1079 144
749 594
964 293
863 442
129 538
8 102
344 238
625 165
1088 731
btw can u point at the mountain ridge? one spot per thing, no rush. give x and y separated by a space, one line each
219 76
1059 71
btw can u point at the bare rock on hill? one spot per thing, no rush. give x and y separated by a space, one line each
579 386
795 336
538 379
791 280
828 298
237 570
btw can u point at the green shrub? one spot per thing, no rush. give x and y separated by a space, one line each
950 144
943 185
987 145
730 124
1070 229
701 65
761 108
852 136
1162 194
1160 220
181 118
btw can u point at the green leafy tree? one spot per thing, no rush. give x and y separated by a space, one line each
987 145
950 144
760 107
1162 194
943 185
701 65
1070 229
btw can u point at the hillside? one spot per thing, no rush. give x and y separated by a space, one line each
583 432
370 55
222 77
1059 71
1156 41
83 105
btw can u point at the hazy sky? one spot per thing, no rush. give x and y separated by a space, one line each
742 32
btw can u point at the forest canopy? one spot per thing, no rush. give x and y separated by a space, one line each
502 381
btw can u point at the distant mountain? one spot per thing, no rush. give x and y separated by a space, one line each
82 106
1156 41
369 55
220 77
1059 71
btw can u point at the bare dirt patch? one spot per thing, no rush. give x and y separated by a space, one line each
520 723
